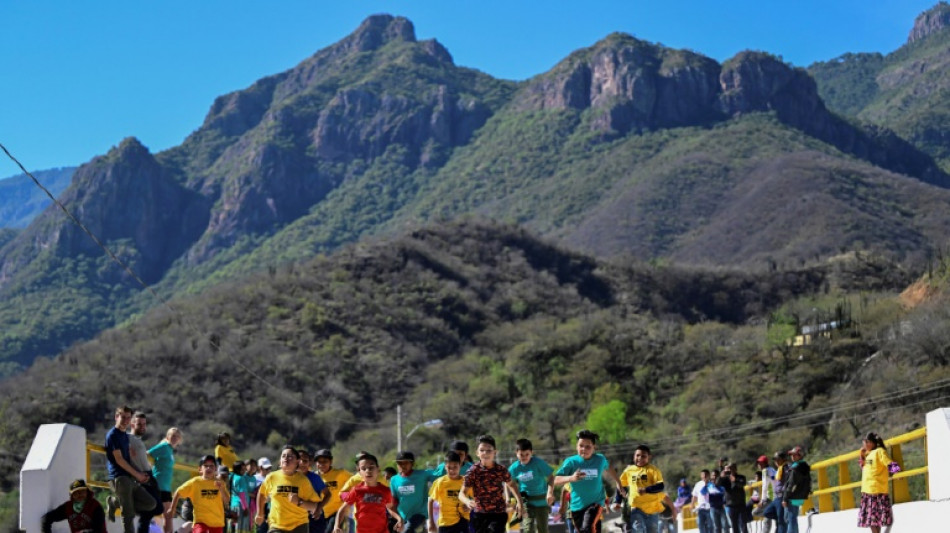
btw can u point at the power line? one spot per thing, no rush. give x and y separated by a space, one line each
895 395
214 341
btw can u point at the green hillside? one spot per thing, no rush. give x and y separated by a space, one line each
907 90
491 329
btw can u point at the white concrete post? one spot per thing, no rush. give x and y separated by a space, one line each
56 458
938 461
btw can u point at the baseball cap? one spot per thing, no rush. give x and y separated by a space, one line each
264 462
206 459
797 450
79 484
763 460
405 456
323 452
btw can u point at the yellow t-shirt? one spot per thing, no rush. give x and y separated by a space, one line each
874 475
278 487
635 477
335 478
206 498
356 479
227 455
445 491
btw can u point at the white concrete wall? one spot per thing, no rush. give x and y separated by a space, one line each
938 460
56 458
915 517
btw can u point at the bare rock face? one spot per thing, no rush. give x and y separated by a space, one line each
633 84
123 197
930 22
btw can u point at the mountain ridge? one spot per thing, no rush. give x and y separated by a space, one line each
380 132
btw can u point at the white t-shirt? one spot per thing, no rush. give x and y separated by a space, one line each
701 499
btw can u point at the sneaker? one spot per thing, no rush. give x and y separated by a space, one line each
111 505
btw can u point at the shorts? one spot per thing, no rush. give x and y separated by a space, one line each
202 528
166 496
459 527
490 522
587 520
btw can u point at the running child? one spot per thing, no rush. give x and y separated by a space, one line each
585 472
487 480
453 516
371 500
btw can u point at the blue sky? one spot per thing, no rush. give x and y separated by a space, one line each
78 77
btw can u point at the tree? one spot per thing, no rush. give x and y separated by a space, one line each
609 421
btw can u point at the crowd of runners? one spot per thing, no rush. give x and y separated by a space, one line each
306 494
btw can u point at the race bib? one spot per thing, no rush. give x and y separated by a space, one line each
590 473
407 489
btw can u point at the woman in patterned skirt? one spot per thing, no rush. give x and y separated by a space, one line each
875 511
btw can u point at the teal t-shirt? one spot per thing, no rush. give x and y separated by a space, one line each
533 479
164 456
412 493
589 490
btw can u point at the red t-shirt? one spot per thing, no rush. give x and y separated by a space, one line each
486 485
370 503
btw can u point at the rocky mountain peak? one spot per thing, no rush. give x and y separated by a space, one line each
930 22
378 30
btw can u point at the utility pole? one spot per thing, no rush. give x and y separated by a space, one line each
399 428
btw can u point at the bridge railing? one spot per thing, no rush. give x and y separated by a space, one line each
835 489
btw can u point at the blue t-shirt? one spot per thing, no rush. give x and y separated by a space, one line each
590 490
164 466
117 440
440 470
533 479
318 484
412 492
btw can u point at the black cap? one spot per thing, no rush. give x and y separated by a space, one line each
79 484
206 459
405 456
459 446
323 452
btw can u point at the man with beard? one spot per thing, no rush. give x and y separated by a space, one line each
138 454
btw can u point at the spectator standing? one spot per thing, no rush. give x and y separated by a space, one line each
164 455
700 503
224 452
797 487
875 511
717 503
124 479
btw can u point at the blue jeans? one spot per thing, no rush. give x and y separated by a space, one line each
791 519
719 520
642 522
704 521
775 508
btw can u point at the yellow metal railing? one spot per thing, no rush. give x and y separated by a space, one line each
97 449
844 487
